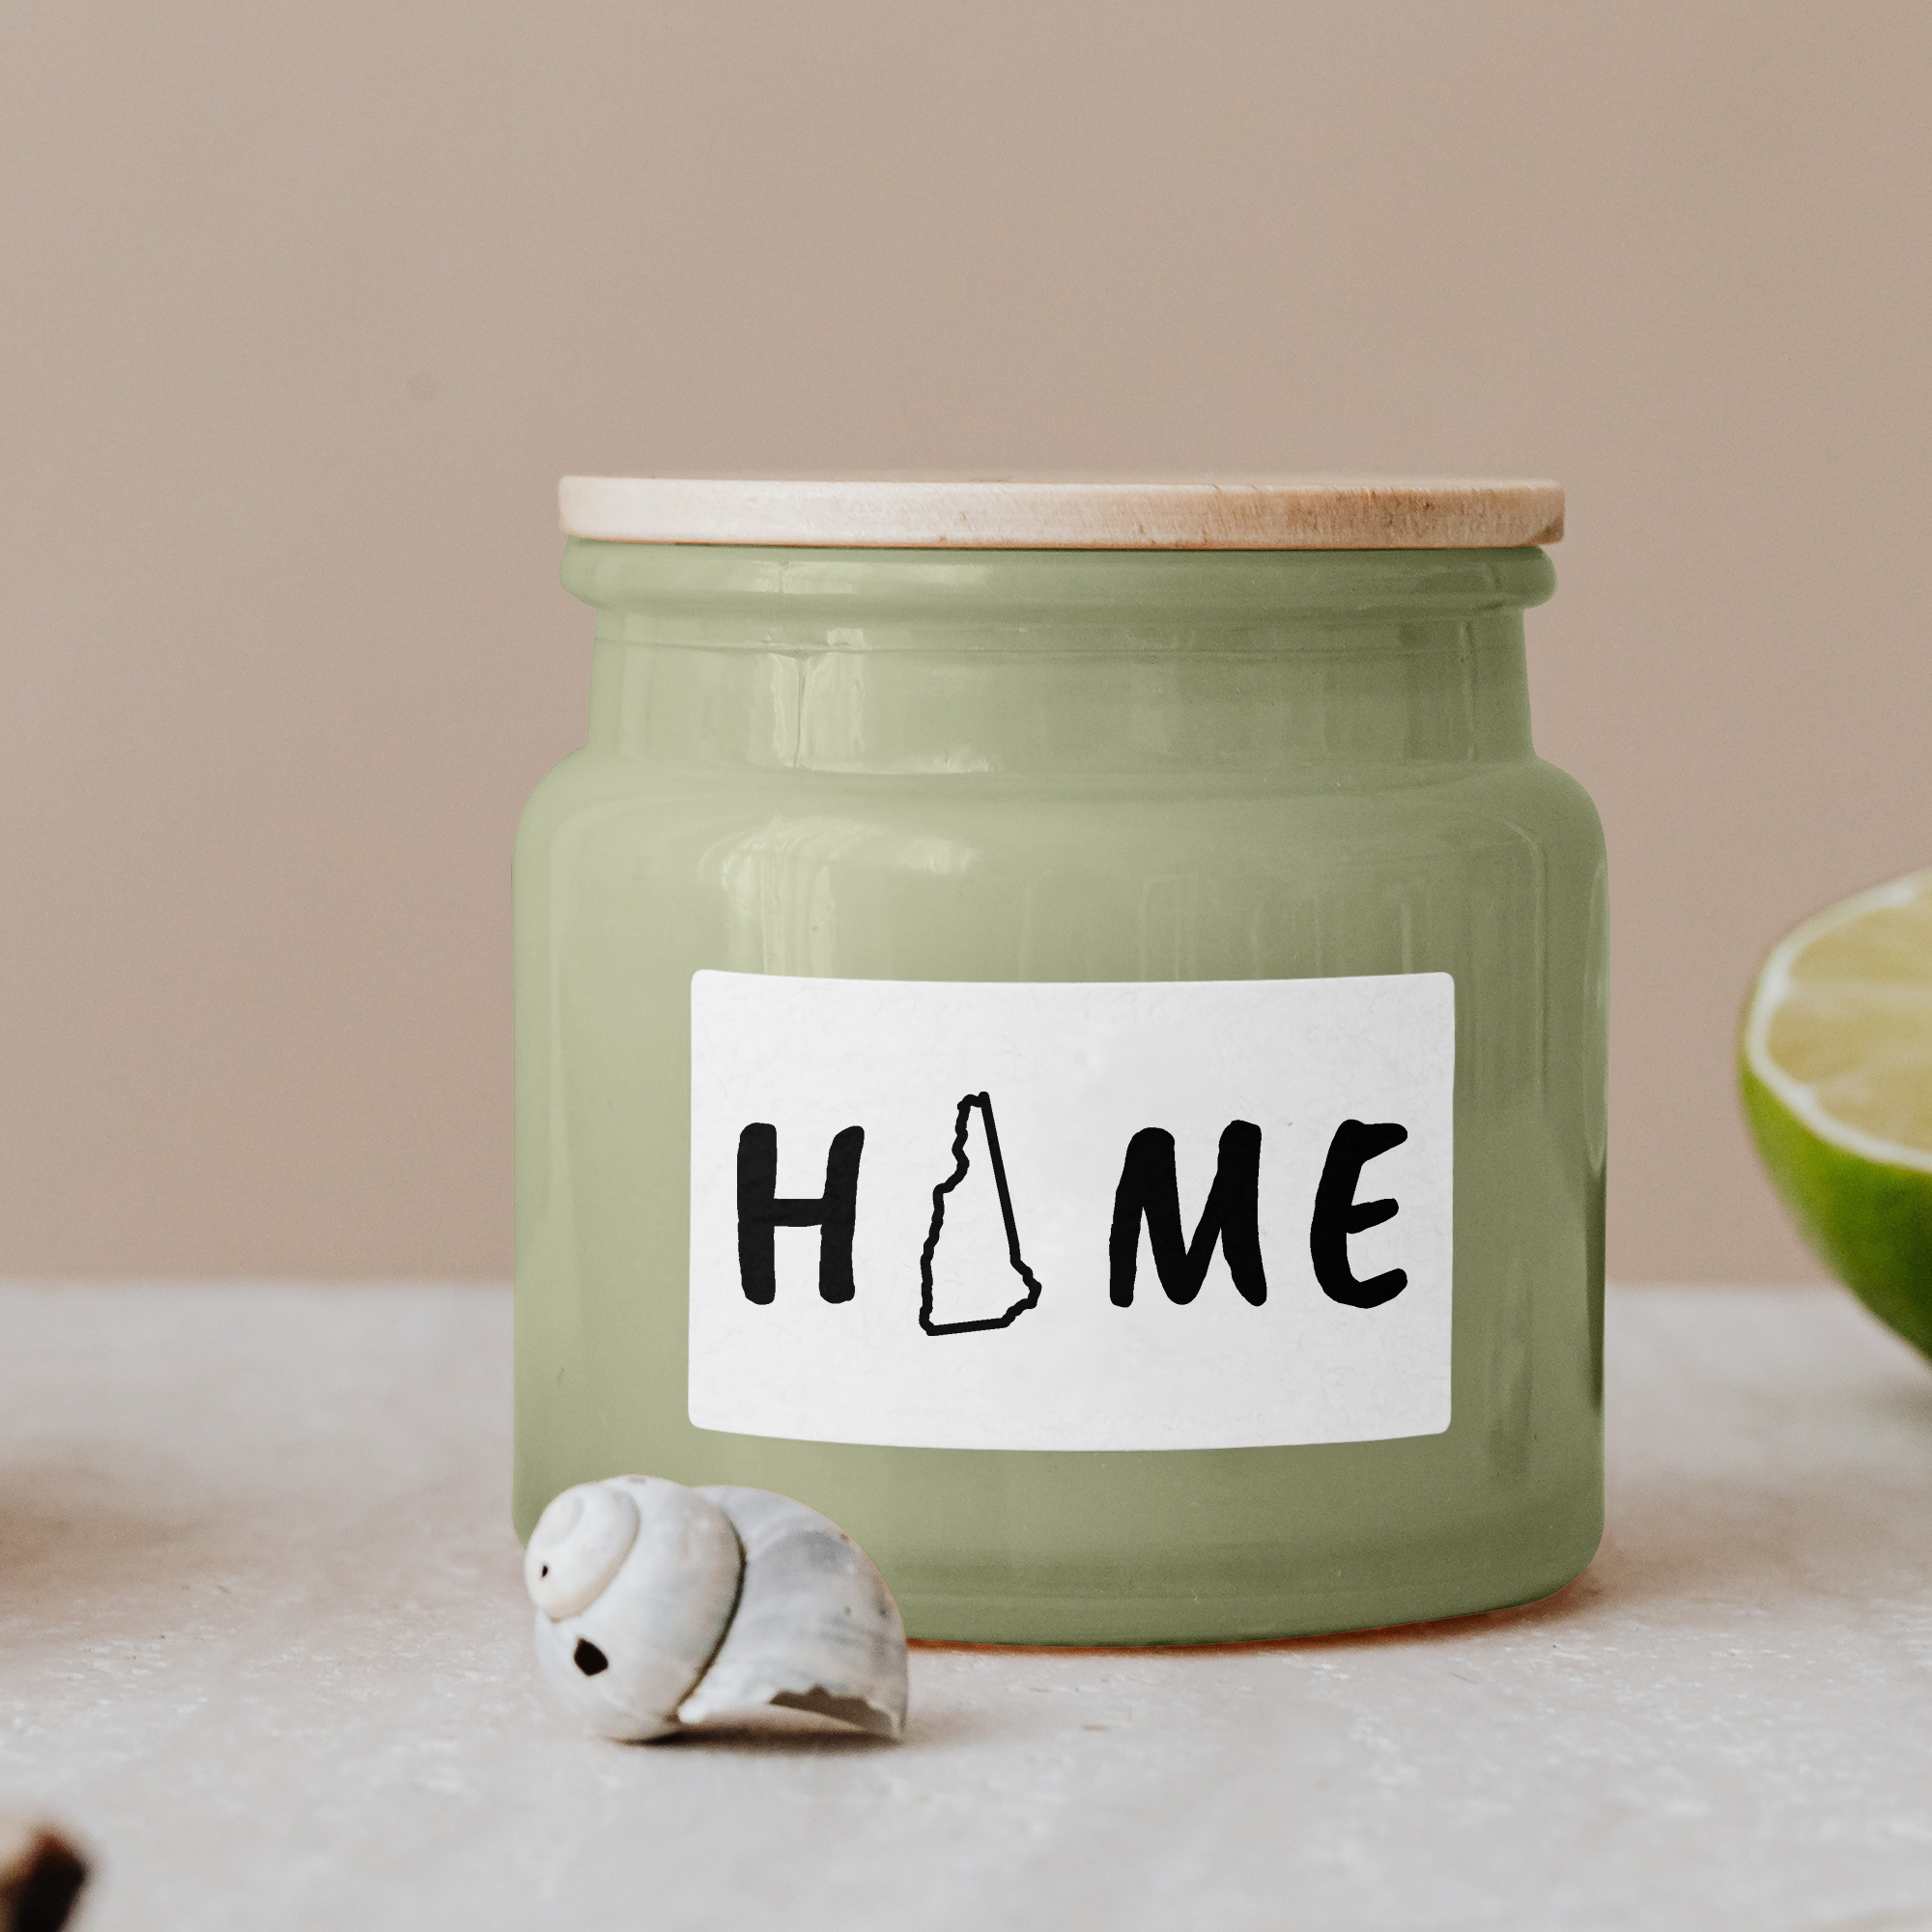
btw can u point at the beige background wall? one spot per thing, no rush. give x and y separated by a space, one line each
308 305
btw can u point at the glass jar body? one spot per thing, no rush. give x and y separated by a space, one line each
1026 766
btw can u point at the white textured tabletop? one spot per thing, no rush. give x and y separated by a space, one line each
264 1646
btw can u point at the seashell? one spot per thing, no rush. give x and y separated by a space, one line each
627 1657
577 1547
660 1607
815 1627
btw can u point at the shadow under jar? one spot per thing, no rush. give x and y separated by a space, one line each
1063 1025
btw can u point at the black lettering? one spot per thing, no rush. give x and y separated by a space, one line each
761 1208
1338 1214
1148 1191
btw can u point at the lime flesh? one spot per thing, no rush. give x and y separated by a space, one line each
1837 1070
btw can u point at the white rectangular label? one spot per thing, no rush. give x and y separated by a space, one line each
1205 1214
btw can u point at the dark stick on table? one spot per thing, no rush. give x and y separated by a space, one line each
40 1876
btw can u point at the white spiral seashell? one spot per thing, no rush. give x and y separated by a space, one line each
660 1607
577 1546
628 1657
815 1627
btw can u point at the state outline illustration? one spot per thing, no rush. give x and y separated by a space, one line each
962 1166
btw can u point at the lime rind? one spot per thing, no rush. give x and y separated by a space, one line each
1870 1221
1773 986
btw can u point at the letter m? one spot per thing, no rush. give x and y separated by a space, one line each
1147 1191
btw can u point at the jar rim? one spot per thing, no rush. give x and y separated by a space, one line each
1021 512
815 598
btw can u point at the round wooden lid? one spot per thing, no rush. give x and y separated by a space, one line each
1068 513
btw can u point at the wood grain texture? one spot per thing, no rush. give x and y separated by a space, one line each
1068 513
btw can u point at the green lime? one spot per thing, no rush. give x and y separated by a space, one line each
1836 1066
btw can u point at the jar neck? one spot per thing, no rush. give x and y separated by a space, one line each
904 663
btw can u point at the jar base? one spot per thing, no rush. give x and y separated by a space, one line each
1120 1622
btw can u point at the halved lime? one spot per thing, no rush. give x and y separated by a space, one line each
1837 1066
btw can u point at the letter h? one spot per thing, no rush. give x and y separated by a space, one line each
761 1208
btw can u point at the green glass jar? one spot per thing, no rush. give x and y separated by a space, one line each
1063 1026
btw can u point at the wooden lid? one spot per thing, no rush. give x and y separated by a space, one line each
1068 513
